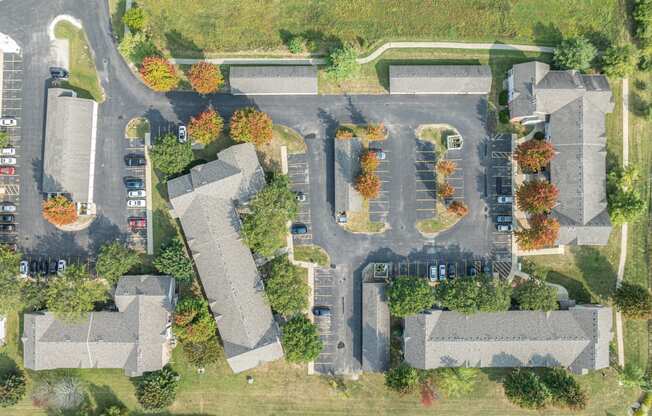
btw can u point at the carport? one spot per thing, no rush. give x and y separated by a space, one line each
273 80
439 79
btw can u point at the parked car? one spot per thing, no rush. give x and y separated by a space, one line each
136 203
321 311
7 218
183 134
380 155
53 266
134 183
138 193
504 199
137 223
301 197
24 268
504 218
7 170
135 160
7 160
504 227
452 270
442 271
8 151
61 266
7 228
58 73
8 122
33 267
299 229
432 272
7 207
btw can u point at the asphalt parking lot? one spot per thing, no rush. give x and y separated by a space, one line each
137 238
500 184
426 179
324 295
379 207
299 176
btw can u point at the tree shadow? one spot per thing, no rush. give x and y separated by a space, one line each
104 397
117 26
598 273
576 289
175 42
546 34
7 364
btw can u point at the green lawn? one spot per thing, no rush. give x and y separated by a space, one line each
212 27
83 75
311 254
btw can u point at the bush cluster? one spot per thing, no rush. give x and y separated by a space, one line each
252 126
205 78
300 339
192 321
205 127
157 389
159 74
469 295
554 386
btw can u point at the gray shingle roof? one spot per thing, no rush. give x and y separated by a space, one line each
134 339
439 79
577 338
67 148
204 201
273 80
347 155
375 327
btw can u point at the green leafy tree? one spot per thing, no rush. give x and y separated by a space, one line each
643 18
469 295
495 295
4 139
634 301
403 379
251 126
74 293
632 376
564 389
457 382
624 199
135 19
285 288
12 387
575 53
170 157
296 44
264 228
620 61
136 47
409 295
342 63
535 295
173 260
300 340
157 389
192 321
114 261
203 353
525 389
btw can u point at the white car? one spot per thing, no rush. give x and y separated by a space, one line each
7 207
7 160
24 268
61 266
139 193
505 199
7 151
136 203
183 134
8 122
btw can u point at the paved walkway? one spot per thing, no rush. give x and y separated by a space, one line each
624 228
375 54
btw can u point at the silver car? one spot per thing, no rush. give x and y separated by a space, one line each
7 160
8 122
136 203
138 193
7 207
503 199
7 151
183 134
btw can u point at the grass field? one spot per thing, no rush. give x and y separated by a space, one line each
312 254
83 75
210 27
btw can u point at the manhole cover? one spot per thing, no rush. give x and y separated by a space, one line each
340 345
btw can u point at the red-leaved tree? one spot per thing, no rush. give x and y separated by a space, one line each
534 154
458 208
369 162
205 78
159 74
368 185
543 232
536 197
59 210
445 190
206 127
446 167
251 125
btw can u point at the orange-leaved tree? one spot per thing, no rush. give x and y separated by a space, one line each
368 184
59 210
537 196
369 162
375 131
205 78
458 208
534 154
159 74
446 167
251 125
206 127
445 190
543 232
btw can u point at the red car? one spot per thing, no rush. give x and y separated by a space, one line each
7 170
137 223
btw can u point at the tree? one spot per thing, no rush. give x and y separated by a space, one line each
203 353
495 295
535 295
575 53
457 382
74 293
296 44
136 47
265 227
620 61
343 133
300 340
445 190
634 301
533 155
114 261
469 295
375 131
252 126
63 395
536 197
285 288
631 376
643 18
543 232
115 411
368 185
12 387
458 208
173 260
4 139
192 321
525 389
206 127
135 19
59 210
624 199
157 389
403 379
205 78
446 167
159 74
342 63
565 391
171 157
409 295
369 162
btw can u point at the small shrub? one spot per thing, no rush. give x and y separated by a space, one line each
503 116
620 61
368 185
446 167
634 301
457 382
4 139
135 19
12 387
205 78
445 190
192 321
59 210
458 208
206 127
369 162
344 133
251 125
503 97
203 353
403 379
136 47
297 44
159 74
525 389
632 376
342 63
157 389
